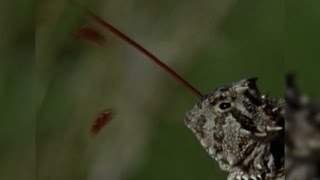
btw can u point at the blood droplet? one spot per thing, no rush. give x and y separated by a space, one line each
91 34
103 119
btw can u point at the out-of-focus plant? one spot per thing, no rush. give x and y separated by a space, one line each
18 92
302 134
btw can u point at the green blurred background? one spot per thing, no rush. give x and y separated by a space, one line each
18 92
52 89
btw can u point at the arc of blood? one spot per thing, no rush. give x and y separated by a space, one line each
93 35
144 51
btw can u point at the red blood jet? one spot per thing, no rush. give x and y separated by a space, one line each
93 35
144 51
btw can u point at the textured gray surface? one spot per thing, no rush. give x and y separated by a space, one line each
242 130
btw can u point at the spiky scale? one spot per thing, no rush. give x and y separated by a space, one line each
232 125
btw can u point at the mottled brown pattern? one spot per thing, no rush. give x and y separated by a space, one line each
245 134
302 134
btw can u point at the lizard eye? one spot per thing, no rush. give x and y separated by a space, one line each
224 105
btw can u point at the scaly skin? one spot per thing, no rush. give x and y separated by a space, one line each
242 130
302 134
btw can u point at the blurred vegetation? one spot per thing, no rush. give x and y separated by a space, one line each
18 96
52 101
302 44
